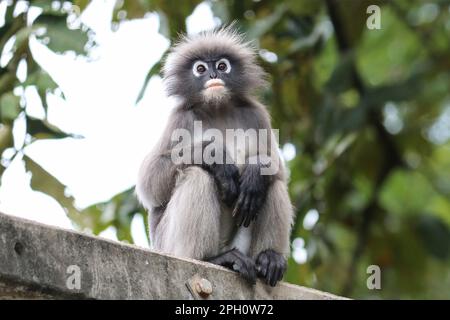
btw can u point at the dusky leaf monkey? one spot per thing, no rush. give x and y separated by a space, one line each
227 211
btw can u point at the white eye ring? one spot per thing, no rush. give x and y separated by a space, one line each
196 65
227 63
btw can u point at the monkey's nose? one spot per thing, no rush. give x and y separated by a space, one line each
213 75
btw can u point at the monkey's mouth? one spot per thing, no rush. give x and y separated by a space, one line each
214 83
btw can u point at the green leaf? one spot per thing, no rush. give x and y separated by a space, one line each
117 212
6 141
9 107
353 17
42 80
82 4
42 129
8 20
45 5
7 81
406 192
435 235
22 37
262 26
400 91
341 79
43 181
61 38
164 24
135 9
305 7
155 70
6 137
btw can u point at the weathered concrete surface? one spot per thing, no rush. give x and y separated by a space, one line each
34 261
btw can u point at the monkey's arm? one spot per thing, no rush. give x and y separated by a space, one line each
158 172
260 171
273 219
253 187
156 180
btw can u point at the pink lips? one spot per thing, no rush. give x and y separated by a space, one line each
214 83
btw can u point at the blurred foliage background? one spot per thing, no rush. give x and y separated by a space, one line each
367 113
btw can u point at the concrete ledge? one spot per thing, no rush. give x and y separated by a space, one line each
35 262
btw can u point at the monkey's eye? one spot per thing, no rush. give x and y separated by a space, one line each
223 65
199 68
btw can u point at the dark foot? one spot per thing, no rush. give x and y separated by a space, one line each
237 261
270 266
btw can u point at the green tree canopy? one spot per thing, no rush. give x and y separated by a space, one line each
367 113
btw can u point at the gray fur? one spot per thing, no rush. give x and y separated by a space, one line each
273 225
191 217
186 216
223 42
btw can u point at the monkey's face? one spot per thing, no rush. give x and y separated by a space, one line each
211 68
210 76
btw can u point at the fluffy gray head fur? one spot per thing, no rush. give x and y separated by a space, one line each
244 79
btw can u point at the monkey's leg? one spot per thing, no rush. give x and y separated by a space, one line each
271 231
190 225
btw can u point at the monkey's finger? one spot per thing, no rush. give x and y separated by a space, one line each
249 215
229 196
244 266
283 269
238 254
278 273
251 273
238 262
262 264
246 211
244 271
254 208
238 214
233 192
260 204
271 277
242 211
250 270
238 205
237 265
222 186
249 212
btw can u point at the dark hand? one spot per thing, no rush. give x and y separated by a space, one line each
271 266
237 261
252 193
226 177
